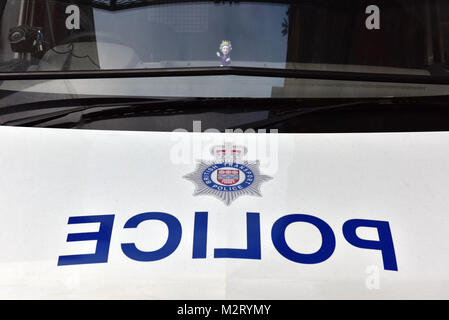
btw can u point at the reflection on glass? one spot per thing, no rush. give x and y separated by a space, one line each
312 35
190 34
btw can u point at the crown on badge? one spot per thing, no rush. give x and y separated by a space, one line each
228 153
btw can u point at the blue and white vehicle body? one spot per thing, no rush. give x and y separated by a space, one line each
203 188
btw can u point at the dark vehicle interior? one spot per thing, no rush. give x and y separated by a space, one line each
328 37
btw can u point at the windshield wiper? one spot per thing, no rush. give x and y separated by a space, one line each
83 115
273 120
281 109
42 118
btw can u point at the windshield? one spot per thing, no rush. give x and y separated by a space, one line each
405 35
339 39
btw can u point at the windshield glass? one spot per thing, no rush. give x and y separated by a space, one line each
365 36
407 38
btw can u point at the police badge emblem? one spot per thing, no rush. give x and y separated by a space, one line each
228 176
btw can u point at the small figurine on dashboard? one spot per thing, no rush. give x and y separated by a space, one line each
225 55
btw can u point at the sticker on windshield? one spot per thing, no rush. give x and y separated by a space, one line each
228 176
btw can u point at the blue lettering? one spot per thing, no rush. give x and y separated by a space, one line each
200 235
252 240
174 237
103 237
278 237
385 243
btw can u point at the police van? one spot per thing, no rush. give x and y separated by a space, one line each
224 150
